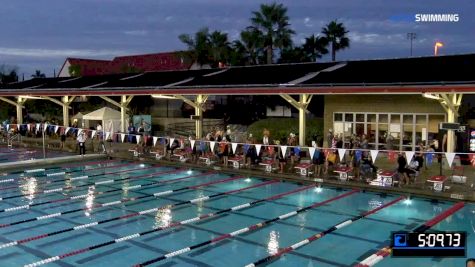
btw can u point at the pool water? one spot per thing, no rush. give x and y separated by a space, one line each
19 154
50 214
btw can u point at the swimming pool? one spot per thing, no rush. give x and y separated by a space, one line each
116 213
19 154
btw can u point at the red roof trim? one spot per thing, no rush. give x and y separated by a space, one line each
254 91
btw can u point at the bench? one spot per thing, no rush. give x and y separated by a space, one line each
304 168
236 161
343 172
384 178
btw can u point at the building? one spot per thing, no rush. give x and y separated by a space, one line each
124 64
402 99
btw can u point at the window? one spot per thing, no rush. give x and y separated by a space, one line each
338 117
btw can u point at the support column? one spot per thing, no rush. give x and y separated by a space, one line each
66 100
124 102
200 100
19 107
198 104
19 111
301 105
451 103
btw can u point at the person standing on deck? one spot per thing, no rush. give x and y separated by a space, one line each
82 143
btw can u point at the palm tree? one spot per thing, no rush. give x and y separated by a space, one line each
219 47
314 47
198 46
249 48
38 74
335 34
294 55
273 25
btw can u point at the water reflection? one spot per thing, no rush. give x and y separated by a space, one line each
163 218
29 187
125 188
374 204
273 245
89 200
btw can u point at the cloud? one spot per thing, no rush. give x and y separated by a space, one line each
307 22
136 32
61 53
169 18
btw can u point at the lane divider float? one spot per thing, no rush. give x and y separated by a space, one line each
312 238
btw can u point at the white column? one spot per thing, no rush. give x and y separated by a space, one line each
66 111
199 112
19 113
302 119
123 108
450 133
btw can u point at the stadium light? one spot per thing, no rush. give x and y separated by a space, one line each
436 46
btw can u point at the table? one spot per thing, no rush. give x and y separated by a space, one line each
438 182
236 161
385 178
304 168
343 172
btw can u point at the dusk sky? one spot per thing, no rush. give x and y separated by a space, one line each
41 34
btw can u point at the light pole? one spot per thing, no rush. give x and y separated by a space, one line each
436 46
411 36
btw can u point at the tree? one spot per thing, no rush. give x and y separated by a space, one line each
74 70
219 48
8 74
249 50
293 55
272 24
38 74
198 46
335 34
314 47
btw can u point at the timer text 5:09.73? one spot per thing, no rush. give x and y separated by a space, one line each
445 244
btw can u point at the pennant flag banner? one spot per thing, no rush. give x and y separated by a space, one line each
155 140
358 155
93 133
374 154
45 126
79 131
107 135
137 138
8 127
234 146
192 142
122 137
28 126
37 127
283 149
67 130
212 144
258 149
409 155
56 128
450 158
171 141
311 150
341 153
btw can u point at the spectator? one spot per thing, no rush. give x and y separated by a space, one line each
131 133
470 262
329 138
81 142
